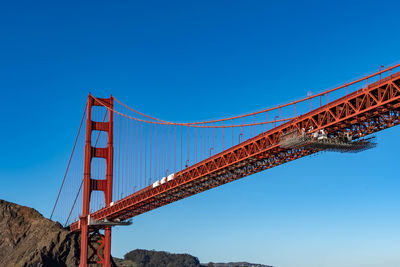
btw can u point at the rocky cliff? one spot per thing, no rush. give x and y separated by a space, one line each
29 239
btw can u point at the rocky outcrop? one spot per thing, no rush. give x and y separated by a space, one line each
29 239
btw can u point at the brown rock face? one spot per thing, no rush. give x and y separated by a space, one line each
29 239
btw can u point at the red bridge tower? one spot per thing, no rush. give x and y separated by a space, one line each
90 234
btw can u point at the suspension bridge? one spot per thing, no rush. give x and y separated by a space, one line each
125 163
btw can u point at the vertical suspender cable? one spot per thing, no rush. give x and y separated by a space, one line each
123 156
174 148
188 148
181 148
223 137
140 157
151 137
232 133
195 146
145 155
169 150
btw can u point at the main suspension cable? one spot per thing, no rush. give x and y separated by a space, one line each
326 92
69 161
80 187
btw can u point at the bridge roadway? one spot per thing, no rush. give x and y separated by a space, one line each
363 112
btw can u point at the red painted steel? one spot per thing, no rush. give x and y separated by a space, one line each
91 184
360 113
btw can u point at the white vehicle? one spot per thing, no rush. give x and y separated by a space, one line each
156 183
163 180
322 134
170 177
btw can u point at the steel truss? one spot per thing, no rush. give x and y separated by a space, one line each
360 113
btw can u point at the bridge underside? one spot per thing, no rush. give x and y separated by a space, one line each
361 113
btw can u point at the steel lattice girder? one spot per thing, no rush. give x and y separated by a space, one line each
363 112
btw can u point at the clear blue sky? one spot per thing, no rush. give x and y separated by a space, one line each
193 60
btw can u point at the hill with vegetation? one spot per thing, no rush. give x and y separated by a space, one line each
29 239
151 258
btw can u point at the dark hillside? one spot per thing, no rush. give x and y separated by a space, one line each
29 239
151 258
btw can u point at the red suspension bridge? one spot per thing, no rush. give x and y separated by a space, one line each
125 163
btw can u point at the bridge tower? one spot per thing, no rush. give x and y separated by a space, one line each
90 234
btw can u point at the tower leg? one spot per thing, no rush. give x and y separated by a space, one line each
84 242
107 246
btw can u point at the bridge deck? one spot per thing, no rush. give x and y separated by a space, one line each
363 112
